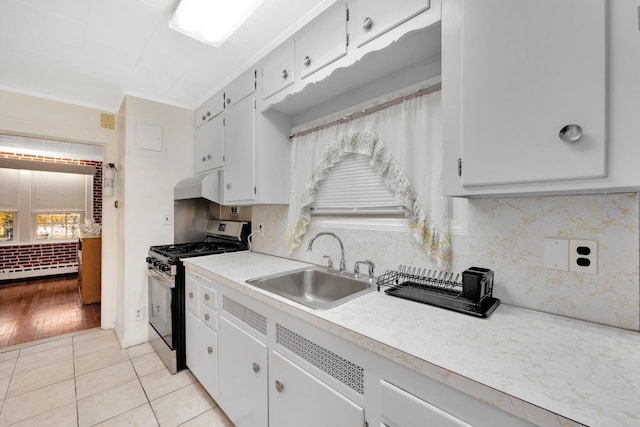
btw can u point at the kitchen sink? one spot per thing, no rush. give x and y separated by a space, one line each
315 287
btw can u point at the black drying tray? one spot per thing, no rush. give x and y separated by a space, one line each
451 299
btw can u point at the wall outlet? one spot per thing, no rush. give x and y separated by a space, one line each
260 228
583 256
138 313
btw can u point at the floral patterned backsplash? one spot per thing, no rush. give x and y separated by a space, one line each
507 235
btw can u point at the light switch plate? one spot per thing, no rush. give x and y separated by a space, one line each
556 254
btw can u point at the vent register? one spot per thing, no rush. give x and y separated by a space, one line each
327 361
338 367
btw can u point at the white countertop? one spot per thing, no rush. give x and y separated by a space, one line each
585 372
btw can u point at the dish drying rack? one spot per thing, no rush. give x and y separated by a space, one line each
469 292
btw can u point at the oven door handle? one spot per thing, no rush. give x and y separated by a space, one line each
166 280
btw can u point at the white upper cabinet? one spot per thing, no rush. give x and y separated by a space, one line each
239 172
208 147
371 19
240 88
278 70
322 41
531 101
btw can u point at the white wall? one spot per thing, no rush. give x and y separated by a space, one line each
147 177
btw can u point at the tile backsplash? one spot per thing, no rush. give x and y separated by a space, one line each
507 235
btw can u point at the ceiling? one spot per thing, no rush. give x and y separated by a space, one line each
93 52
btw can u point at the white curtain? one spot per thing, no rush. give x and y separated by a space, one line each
404 144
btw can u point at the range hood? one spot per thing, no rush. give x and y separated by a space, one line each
206 186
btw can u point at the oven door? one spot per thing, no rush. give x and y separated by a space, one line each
161 290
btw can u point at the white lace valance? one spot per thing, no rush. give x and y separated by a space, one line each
404 146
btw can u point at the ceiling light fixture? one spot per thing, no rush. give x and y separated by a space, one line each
211 22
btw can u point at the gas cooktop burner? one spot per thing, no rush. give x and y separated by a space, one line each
185 250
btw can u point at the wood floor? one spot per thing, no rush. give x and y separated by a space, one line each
41 308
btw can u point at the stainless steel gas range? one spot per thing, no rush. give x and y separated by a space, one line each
165 271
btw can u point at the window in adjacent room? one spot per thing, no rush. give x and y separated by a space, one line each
6 226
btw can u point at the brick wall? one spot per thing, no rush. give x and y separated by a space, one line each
38 255
40 259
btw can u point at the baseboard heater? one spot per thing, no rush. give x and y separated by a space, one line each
39 271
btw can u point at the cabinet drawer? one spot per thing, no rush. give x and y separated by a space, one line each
323 41
277 70
208 297
371 19
400 408
209 317
238 89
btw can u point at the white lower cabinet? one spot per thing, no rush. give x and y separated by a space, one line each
296 398
243 376
202 353
402 409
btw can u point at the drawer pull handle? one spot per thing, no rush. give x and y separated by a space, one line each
206 316
209 349
285 74
256 367
307 61
206 297
367 23
279 386
191 295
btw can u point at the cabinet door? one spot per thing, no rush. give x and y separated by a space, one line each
401 409
240 88
191 291
277 70
528 70
374 18
239 175
323 41
202 353
208 110
208 147
297 398
243 376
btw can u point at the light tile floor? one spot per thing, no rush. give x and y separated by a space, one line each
86 379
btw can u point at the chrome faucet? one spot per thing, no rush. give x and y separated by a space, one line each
356 268
343 265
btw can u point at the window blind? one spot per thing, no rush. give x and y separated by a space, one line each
9 189
353 187
55 191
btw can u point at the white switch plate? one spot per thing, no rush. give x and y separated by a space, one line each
556 254
167 218
589 255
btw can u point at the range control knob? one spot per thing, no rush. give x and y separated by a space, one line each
149 260
165 267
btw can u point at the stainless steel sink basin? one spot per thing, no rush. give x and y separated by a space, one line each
315 287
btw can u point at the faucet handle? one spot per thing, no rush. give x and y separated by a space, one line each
356 268
329 262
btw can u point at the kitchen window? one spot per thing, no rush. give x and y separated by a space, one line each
398 137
